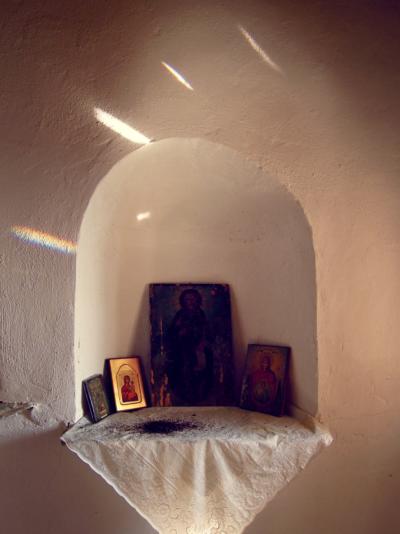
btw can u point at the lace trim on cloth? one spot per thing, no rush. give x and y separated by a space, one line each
196 470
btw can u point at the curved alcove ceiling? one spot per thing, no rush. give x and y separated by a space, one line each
187 210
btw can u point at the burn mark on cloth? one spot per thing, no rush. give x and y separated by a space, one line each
162 427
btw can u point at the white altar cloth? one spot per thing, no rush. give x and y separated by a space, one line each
212 475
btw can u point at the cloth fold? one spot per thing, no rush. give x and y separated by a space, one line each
196 470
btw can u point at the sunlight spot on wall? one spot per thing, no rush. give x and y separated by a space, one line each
178 76
36 237
121 127
255 46
144 215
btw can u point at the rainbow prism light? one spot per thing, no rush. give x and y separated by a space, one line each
43 239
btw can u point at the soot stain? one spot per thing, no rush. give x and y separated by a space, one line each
164 427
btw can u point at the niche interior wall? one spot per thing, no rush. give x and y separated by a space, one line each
188 210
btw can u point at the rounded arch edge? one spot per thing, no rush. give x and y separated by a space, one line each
208 163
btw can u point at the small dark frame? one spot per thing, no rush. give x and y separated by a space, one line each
96 398
265 379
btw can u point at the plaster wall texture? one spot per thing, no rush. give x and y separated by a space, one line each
190 210
325 125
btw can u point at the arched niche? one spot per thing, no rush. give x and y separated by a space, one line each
187 210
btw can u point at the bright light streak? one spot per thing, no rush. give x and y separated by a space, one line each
178 76
255 46
121 127
144 215
43 239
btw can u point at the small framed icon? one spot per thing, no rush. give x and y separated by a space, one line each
127 382
96 398
265 379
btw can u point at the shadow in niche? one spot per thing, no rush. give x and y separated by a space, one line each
108 386
139 344
49 489
239 346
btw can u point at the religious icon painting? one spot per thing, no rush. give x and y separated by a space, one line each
265 377
191 345
127 383
96 399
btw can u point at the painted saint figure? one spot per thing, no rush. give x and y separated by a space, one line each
128 390
262 385
189 352
165 395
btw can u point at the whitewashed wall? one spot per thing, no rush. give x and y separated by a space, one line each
325 124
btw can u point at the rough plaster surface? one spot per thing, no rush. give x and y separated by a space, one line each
328 128
212 217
